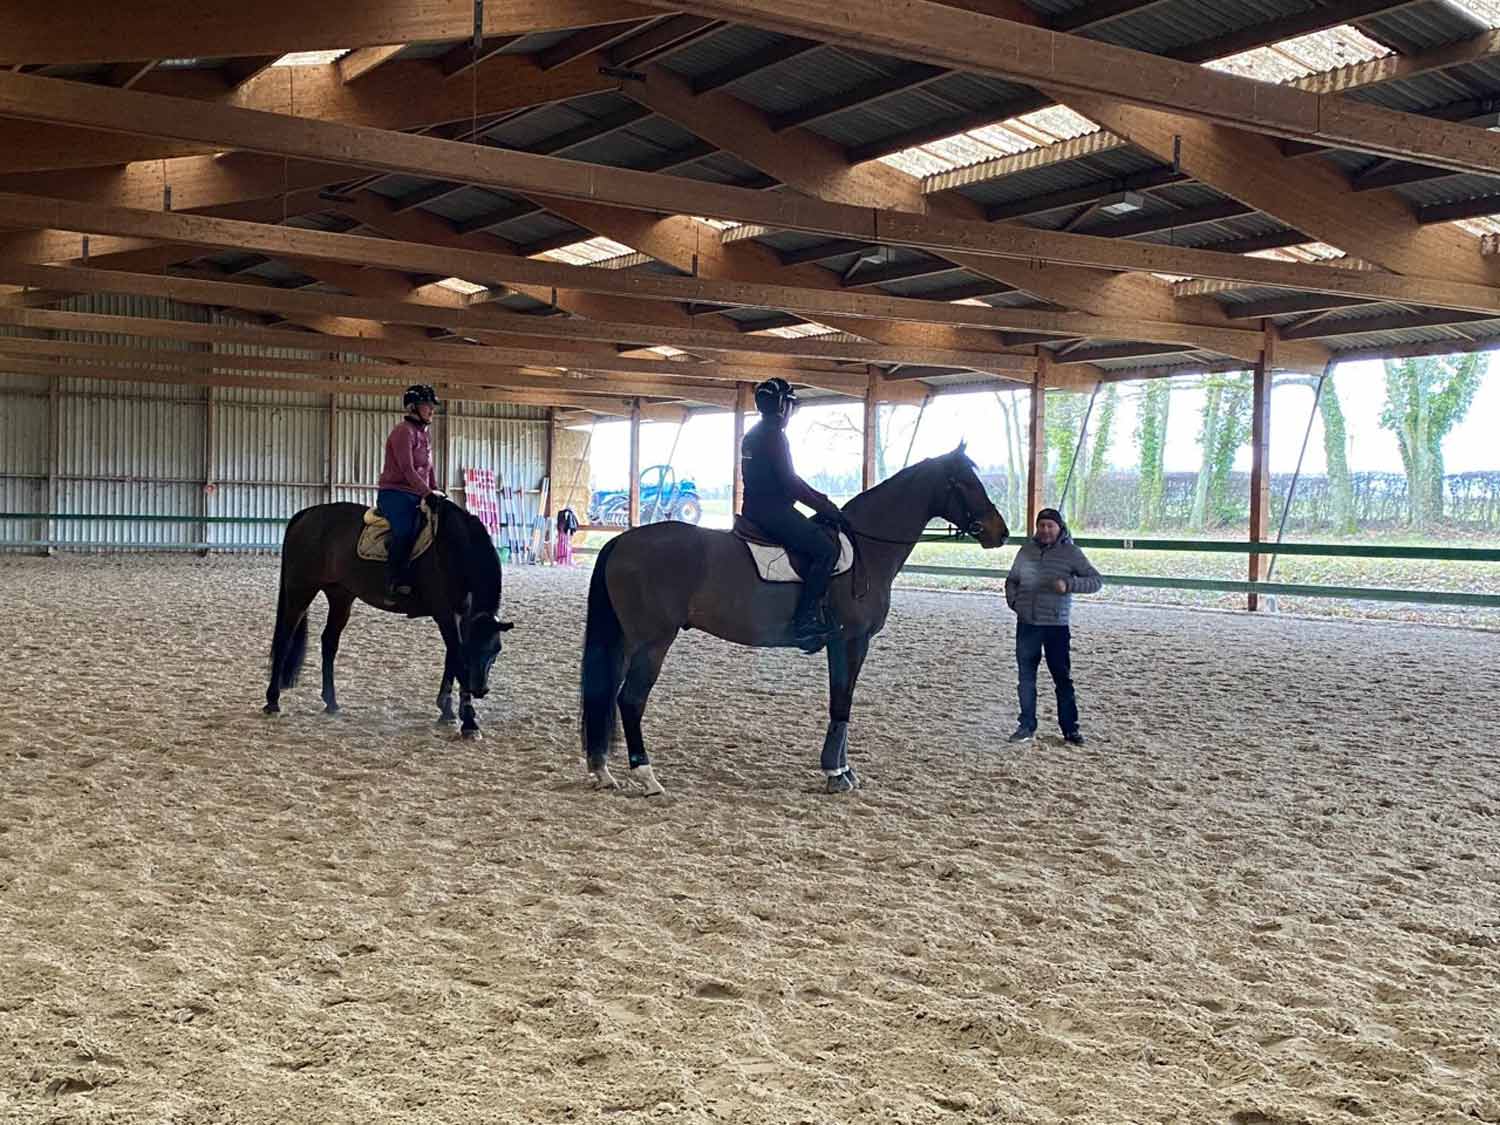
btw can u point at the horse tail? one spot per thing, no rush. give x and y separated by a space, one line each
603 666
289 642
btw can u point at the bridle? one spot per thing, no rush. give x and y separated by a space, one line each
970 524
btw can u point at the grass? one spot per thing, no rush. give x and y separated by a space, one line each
1399 574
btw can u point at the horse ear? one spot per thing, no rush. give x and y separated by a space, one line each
962 445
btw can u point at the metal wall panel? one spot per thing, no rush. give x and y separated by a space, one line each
203 455
24 429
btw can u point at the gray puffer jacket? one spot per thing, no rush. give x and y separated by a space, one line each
1029 585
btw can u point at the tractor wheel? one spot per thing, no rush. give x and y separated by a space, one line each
690 511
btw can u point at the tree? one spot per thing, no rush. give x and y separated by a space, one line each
845 424
1102 426
1335 450
1151 448
1065 414
1015 449
1222 432
1425 398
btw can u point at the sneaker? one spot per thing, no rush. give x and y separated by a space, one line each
1074 738
1023 734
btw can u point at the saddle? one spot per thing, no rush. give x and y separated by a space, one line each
377 531
775 563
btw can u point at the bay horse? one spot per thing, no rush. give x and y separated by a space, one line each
651 582
456 582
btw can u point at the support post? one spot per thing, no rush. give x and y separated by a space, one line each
1260 459
210 447
635 462
547 501
333 446
1036 444
54 454
871 431
742 405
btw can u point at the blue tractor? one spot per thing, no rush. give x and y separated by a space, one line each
663 497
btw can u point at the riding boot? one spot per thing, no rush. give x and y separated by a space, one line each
810 625
397 576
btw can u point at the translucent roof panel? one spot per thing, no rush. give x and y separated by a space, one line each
796 331
1288 60
1486 12
459 285
1307 54
1032 130
311 58
1307 252
587 253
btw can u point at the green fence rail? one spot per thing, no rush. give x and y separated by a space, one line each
1206 546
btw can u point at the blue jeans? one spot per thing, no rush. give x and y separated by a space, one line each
403 511
1031 642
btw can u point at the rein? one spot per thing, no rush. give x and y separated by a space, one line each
970 527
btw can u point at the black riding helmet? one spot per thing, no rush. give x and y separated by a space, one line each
418 393
775 397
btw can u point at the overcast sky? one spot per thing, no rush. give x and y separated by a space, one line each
705 448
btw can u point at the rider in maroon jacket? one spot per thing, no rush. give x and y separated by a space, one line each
406 479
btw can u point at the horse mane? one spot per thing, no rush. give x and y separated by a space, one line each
899 480
470 541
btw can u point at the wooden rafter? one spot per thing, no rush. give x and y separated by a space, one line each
484 321
79 31
280 241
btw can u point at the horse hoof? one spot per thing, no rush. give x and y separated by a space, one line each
845 782
447 720
603 779
332 709
471 734
271 709
645 776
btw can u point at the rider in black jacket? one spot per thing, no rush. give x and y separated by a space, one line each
772 489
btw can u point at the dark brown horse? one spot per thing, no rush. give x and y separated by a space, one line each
456 583
653 581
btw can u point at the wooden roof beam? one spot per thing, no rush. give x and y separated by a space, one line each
281 241
78 31
1310 196
363 60
484 321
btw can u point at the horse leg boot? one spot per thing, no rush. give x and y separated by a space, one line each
468 717
445 693
640 678
845 659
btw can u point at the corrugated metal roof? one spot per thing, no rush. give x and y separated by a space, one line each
714 52
1449 189
1180 23
832 72
1425 92
1424 26
534 228
1061 176
1474 330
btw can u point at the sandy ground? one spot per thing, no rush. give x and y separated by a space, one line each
1250 903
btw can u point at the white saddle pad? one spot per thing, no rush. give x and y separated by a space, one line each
775 566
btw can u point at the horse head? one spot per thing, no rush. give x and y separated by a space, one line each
965 503
481 647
